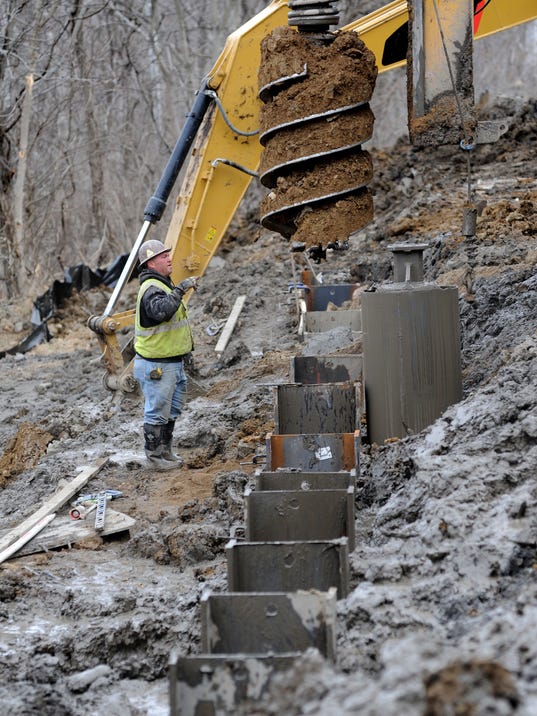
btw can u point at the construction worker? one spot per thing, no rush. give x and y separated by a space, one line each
162 340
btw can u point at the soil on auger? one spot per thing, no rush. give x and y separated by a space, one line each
315 116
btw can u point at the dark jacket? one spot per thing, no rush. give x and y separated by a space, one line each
157 305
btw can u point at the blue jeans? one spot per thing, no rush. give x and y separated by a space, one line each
164 398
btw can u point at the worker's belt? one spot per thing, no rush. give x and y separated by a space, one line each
173 359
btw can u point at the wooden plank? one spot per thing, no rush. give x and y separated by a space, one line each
57 500
65 531
26 537
230 324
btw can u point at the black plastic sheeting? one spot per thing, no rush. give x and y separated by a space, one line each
79 277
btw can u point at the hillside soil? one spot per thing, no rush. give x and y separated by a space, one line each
442 611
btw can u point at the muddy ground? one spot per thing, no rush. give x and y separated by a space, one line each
442 611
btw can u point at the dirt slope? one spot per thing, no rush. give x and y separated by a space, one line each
442 611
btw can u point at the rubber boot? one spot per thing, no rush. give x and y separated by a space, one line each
153 448
167 452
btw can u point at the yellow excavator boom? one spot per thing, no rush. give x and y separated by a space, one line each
227 151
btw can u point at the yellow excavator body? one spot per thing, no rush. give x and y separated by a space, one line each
212 190
227 150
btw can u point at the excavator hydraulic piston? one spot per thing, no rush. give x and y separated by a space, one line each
313 15
103 324
157 203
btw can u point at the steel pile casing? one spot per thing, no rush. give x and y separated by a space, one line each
412 361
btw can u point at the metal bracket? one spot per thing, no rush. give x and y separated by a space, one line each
100 515
253 622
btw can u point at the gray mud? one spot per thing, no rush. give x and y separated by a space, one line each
442 611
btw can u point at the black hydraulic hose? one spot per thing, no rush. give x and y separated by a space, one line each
157 203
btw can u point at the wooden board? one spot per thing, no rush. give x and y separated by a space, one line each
57 500
64 531
26 537
230 324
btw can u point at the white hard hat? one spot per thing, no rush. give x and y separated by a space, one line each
150 249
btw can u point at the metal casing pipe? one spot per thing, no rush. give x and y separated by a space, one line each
412 363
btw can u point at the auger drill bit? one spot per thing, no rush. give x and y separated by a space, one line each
315 86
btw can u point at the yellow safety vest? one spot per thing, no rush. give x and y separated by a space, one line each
165 340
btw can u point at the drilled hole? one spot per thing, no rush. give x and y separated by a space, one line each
271 610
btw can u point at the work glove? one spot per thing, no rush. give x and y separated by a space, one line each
190 282
188 360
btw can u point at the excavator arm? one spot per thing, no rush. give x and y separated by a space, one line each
221 138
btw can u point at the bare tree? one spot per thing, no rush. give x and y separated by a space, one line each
24 55
112 82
